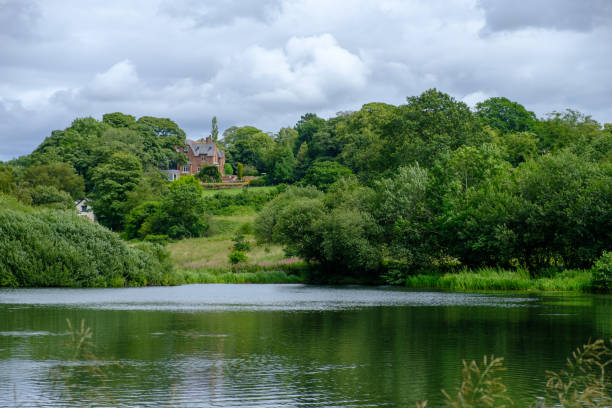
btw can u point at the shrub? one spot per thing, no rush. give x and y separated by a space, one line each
602 273
259 182
41 247
241 244
209 174
236 257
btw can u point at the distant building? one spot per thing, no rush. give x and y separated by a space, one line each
199 154
84 209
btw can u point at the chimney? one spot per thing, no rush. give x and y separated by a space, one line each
209 139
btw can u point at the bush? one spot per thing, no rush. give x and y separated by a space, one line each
236 257
241 244
602 273
209 174
50 196
41 247
259 182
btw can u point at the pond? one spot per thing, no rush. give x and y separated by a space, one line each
280 345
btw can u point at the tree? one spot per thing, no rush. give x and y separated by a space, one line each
248 145
239 170
119 119
306 127
59 175
214 134
112 180
283 168
506 116
137 217
402 209
181 212
325 173
228 169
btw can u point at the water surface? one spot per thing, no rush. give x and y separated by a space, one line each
280 345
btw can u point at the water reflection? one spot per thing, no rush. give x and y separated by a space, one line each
283 345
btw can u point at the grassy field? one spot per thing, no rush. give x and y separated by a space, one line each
205 259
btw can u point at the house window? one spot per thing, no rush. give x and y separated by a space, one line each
198 169
84 208
185 169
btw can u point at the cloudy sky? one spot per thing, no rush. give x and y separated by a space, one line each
266 62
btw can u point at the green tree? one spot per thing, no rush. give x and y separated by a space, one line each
181 212
325 173
112 181
283 169
506 116
119 119
136 218
214 134
403 210
228 169
59 175
239 170
306 127
518 147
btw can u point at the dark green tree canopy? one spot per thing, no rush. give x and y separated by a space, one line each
505 116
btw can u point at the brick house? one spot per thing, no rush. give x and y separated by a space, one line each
200 153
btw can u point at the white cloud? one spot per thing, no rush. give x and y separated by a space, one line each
117 83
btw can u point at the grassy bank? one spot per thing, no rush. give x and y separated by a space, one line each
205 259
495 279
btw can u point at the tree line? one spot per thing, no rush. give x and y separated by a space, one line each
424 185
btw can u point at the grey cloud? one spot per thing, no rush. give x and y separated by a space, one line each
576 15
18 18
220 12
189 60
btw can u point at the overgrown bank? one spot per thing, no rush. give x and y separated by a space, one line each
43 247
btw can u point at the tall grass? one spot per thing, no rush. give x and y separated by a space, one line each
585 382
498 279
273 276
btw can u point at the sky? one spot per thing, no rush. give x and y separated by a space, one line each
267 62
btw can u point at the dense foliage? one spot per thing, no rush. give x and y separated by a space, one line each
41 247
439 186
385 191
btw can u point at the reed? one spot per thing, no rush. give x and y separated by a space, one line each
499 279
585 382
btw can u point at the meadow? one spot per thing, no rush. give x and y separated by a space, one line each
206 259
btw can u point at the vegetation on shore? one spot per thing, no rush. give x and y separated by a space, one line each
45 247
495 279
408 194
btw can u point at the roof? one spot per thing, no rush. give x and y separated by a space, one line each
206 149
